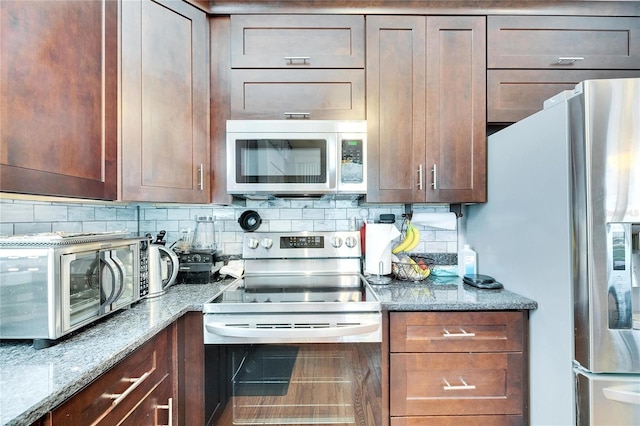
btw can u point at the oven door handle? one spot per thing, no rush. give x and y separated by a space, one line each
222 329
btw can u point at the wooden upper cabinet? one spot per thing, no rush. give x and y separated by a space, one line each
456 164
165 102
563 42
297 41
426 109
532 58
297 66
396 108
58 98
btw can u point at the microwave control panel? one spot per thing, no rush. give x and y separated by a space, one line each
352 161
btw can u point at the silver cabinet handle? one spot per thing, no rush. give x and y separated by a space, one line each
297 60
463 386
420 177
461 334
201 174
168 407
135 382
297 114
569 60
435 176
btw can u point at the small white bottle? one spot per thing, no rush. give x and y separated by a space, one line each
466 261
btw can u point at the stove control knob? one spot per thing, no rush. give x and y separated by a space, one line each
351 242
253 243
336 242
266 243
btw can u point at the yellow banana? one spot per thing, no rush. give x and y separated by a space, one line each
415 240
408 239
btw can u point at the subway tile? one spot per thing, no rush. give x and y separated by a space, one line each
49 213
313 214
106 213
16 212
129 213
81 213
32 227
179 214
291 214
6 229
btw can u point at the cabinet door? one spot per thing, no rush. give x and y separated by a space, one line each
58 98
396 109
154 409
454 384
315 94
114 394
513 94
426 109
297 41
456 165
165 102
564 42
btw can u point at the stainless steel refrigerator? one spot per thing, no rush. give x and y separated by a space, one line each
561 227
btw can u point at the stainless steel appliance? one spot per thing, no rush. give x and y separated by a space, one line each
563 210
299 334
163 264
296 157
53 284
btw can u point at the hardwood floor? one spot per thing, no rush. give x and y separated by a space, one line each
329 384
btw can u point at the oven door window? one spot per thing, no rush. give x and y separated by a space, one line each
329 384
81 273
281 161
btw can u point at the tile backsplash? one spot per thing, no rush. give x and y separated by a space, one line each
19 216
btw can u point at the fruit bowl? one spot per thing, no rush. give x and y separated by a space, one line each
411 268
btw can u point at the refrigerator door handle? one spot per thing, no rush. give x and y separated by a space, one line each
622 394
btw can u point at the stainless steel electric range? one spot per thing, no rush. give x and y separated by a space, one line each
296 340
297 287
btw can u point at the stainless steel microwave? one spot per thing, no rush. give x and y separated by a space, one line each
50 287
296 157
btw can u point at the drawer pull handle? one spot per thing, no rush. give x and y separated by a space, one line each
461 334
297 60
464 385
135 382
297 114
569 60
169 407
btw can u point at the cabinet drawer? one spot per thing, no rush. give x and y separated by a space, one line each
456 331
116 392
456 383
541 42
295 41
153 409
515 94
458 421
320 94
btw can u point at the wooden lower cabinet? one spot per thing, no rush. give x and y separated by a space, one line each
138 387
462 368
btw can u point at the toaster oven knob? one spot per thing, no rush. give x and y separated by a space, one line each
336 242
253 243
351 242
266 243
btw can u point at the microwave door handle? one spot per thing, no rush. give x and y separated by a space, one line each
106 301
119 276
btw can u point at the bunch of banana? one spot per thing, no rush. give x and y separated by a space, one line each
411 239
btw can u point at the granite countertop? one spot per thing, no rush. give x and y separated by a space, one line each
32 382
447 294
